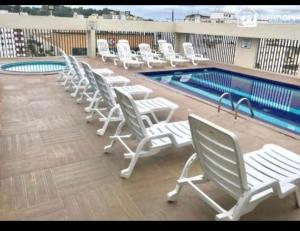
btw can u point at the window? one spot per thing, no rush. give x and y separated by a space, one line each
246 43
79 51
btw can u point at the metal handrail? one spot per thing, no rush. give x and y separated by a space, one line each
238 104
220 99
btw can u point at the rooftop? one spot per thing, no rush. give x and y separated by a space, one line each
52 165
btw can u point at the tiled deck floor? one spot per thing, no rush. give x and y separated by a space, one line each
52 165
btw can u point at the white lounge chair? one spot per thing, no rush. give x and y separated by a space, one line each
149 56
113 111
91 91
190 54
77 80
171 56
160 43
103 50
151 139
67 71
126 57
219 155
133 52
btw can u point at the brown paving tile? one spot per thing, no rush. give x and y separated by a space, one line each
19 142
26 190
61 135
52 165
108 201
75 177
50 210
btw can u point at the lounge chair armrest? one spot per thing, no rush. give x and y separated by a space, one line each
199 55
135 58
163 135
177 55
112 52
265 186
147 119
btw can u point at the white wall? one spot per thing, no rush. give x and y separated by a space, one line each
282 31
245 57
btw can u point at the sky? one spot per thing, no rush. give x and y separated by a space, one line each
163 12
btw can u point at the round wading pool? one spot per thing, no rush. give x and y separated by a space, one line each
33 67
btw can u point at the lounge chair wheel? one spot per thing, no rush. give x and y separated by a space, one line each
100 132
89 118
87 109
107 149
223 217
73 94
79 101
172 196
125 173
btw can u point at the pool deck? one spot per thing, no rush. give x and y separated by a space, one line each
52 165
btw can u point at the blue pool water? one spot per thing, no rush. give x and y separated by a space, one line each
273 102
34 67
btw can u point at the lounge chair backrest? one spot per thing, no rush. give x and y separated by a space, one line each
89 75
188 50
160 43
219 154
67 60
102 46
105 91
123 41
131 115
124 52
168 51
75 66
145 51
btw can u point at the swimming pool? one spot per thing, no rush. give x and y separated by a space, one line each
273 102
34 67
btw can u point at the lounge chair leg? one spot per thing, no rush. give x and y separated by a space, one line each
64 83
194 63
90 117
74 94
68 86
60 77
146 95
102 130
79 100
126 173
172 196
93 101
148 63
172 64
234 214
297 194
115 62
117 133
170 115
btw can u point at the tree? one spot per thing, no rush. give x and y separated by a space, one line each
60 10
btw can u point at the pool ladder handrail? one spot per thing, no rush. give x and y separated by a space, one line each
238 104
220 100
